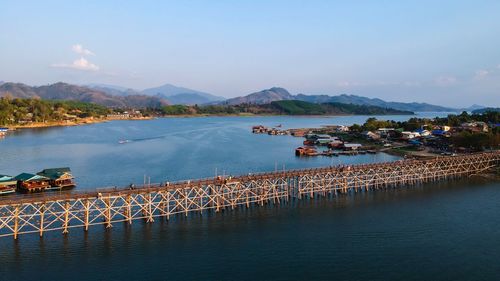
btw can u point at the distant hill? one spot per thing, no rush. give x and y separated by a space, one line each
64 91
283 107
114 90
353 99
180 95
262 97
277 94
296 107
486 109
473 107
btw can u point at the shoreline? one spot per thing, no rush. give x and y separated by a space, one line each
89 121
36 125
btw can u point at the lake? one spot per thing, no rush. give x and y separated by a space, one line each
443 231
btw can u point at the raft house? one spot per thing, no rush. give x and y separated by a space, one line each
31 183
48 179
58 177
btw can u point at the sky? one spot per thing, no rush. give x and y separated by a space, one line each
441 52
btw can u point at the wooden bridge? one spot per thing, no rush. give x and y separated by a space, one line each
150 203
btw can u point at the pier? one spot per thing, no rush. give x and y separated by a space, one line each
65 212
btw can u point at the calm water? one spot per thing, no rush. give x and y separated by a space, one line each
165 149
434 232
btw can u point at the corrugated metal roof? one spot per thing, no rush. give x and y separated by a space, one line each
29 177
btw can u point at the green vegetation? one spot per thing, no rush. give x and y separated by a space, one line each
460 137
487 109
175 109
414 123
19 111
295 107
476 141
285 107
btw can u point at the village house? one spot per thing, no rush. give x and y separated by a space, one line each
384 132
341 129
406 135
475 127
371 135
423 132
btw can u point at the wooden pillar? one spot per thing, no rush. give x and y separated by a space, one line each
86 215
128 208
66 217
16 221
186 207
149 208
107 202
42 217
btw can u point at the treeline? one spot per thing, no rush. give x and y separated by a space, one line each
285 107
17 111
474 141
414 123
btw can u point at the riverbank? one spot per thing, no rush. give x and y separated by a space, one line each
67 123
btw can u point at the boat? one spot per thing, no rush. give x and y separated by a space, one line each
123 141
7 184
7 191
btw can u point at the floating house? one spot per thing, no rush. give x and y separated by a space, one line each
351 146
305 151
58 177
335 144
31 183
7 184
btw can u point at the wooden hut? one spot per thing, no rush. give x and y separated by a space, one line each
58 177
29 182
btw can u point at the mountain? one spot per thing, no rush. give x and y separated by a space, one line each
353 99
277 94
486 109
296 107
64 91
262 97
474 107
180 95
114 90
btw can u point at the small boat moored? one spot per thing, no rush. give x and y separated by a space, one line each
7 184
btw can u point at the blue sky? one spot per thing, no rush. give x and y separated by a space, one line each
444 52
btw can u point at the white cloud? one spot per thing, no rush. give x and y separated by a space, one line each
79 49
481 73
79 64
445 80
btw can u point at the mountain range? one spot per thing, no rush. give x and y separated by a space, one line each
117 96
64 91
174 94
278 94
